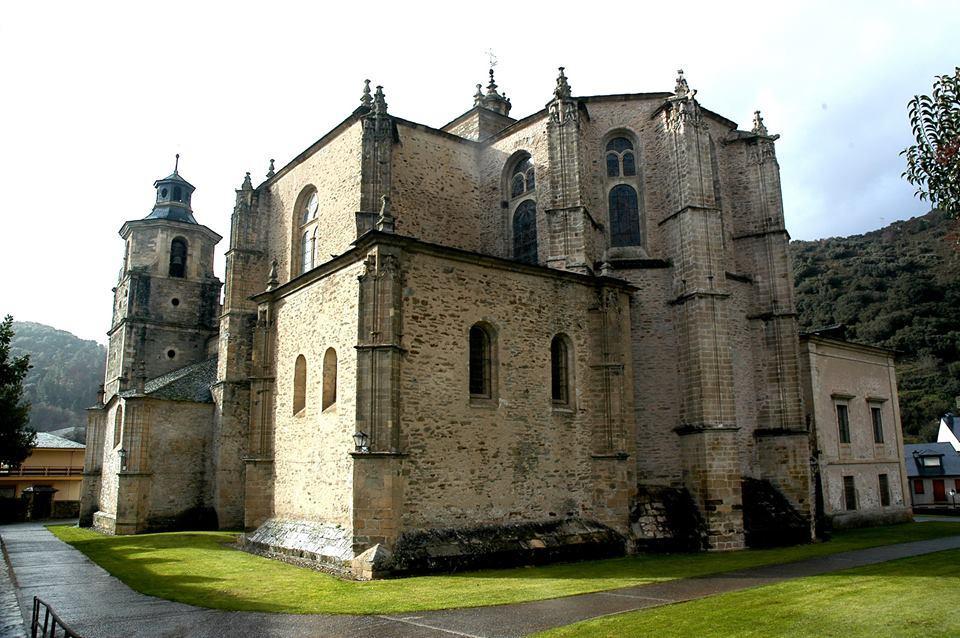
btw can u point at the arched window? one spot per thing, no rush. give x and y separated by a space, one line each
525 232
560 377
307 206
481 363
621 161
523 178
178 257
329 378
624 216
118 426
300 384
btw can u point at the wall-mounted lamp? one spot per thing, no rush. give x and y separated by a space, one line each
361 442
123 459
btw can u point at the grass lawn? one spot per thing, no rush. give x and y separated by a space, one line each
910 597
200 568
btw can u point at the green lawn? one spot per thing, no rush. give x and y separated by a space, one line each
200 568
911 597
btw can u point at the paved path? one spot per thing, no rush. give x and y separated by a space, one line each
99 606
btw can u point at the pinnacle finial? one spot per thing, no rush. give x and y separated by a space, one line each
270 171
247 184
379 102
492 86
562 92
365 99
478 96
273 279
176 164
759 128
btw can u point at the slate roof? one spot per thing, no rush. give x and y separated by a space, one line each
953 422
951 460
189 383
47 440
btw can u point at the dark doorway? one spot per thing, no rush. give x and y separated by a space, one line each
939 493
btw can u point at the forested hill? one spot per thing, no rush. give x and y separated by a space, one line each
64 378
897 287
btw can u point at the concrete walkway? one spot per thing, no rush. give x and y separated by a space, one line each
99 606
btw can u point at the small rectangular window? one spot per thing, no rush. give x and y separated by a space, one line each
918 486
884 490
849 493
877 424
930 461
843 421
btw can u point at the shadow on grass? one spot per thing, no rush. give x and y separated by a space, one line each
199 568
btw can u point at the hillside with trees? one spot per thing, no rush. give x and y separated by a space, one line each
899 288
63 379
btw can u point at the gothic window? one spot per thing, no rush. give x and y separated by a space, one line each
523 178
560 377
525 232
481 363
178 257
300 384
117 426
309 210
620 158
329 378
624 216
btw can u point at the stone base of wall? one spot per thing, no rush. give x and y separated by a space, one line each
314 544
665 519
65 509
195 518
492 546
769 519
870 518
104 523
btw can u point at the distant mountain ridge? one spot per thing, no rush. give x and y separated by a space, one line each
64 378
897 287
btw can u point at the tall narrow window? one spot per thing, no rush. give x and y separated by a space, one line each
329 378
178 257
117 426
306 251
843 422
300 384
884 490
480 363
877 416
849 493
306 214
624 216
620 158
918 486
525 232
560 371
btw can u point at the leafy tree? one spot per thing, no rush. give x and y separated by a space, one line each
933 163
16 438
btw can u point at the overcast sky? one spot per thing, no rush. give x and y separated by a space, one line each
97 98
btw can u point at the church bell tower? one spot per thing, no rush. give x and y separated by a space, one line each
167 300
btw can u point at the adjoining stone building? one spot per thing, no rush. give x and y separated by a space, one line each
510 333
850 395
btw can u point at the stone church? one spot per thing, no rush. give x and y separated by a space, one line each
567 334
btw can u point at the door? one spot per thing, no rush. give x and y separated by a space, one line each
939 494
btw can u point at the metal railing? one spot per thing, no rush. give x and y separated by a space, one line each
50 625
41 470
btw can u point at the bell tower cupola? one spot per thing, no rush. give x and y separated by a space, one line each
173 197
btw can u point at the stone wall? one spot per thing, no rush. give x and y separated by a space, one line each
516 457
313 468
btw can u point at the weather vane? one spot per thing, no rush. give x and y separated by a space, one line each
492 58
